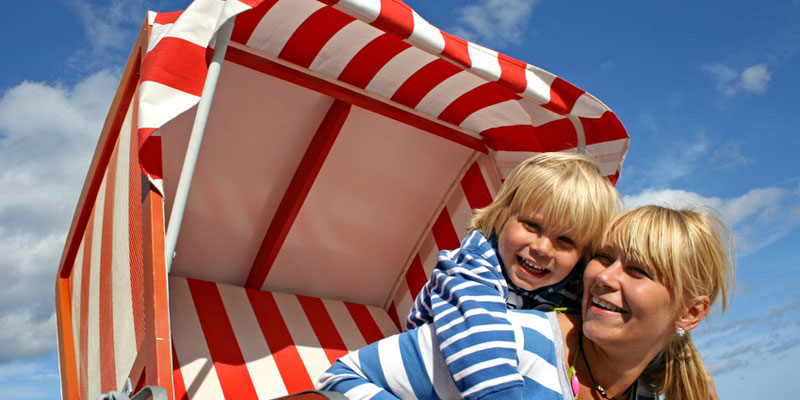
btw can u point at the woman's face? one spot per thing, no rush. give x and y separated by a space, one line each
536 255
624 303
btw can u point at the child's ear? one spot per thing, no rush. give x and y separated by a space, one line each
694 313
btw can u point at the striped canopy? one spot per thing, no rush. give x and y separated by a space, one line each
337 134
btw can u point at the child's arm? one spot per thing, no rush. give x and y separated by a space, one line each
347 380
466 301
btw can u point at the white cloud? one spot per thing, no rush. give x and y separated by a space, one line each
677 160
758 218
47 137
494 22
754 79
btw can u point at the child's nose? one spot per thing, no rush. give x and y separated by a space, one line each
542 245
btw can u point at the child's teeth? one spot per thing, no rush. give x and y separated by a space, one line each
530 266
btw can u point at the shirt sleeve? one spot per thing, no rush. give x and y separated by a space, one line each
466 301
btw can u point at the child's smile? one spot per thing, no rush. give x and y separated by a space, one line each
534 254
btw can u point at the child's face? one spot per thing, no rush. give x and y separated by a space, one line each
534 254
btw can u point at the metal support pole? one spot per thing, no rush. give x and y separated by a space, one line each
195 140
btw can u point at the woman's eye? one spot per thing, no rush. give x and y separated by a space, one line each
638 271
604 258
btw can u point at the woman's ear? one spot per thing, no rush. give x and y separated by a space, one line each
694 313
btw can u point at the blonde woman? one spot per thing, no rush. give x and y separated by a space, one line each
653 280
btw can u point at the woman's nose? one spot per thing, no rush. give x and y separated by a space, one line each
608 276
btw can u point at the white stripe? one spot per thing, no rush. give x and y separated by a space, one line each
365 10
402 305
538 85
93 317
460 213
278 25
198 22
533 322
539 115
473 330
124 330
342 47
507 113
490 173
484 62
77 276
343 321
426 36
587 106
157 32
538 369
395 72
471 312
479 347
428 253
159 103
488 383
446 92
303 336
437 370
393 368
259 361
197 368
384 322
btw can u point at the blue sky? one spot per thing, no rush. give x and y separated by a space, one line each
706 90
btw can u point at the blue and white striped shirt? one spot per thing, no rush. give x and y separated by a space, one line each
410 366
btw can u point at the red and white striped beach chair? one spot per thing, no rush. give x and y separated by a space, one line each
346 144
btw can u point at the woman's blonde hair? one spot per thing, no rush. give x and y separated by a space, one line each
691 253
579 200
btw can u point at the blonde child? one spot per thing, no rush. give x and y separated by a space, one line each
521 253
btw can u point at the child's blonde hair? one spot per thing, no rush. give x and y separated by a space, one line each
578 199
691 253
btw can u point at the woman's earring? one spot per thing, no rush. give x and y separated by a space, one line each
680 332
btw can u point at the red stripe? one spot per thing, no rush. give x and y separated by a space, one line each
485 95
290 365
108 374
552 136
229 363
251 3
150 153
164 18
135 232
411 92
309 38
302 181
512 73
395 17
329 338
456 50
416 276
369 60
247 21
176 63
563 96
177 378
366 324
329 89
603 129
83 344
443 232
393 315
475 189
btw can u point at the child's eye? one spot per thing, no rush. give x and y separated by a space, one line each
532 226
566 240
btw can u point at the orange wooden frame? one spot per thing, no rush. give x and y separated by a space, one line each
154 361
